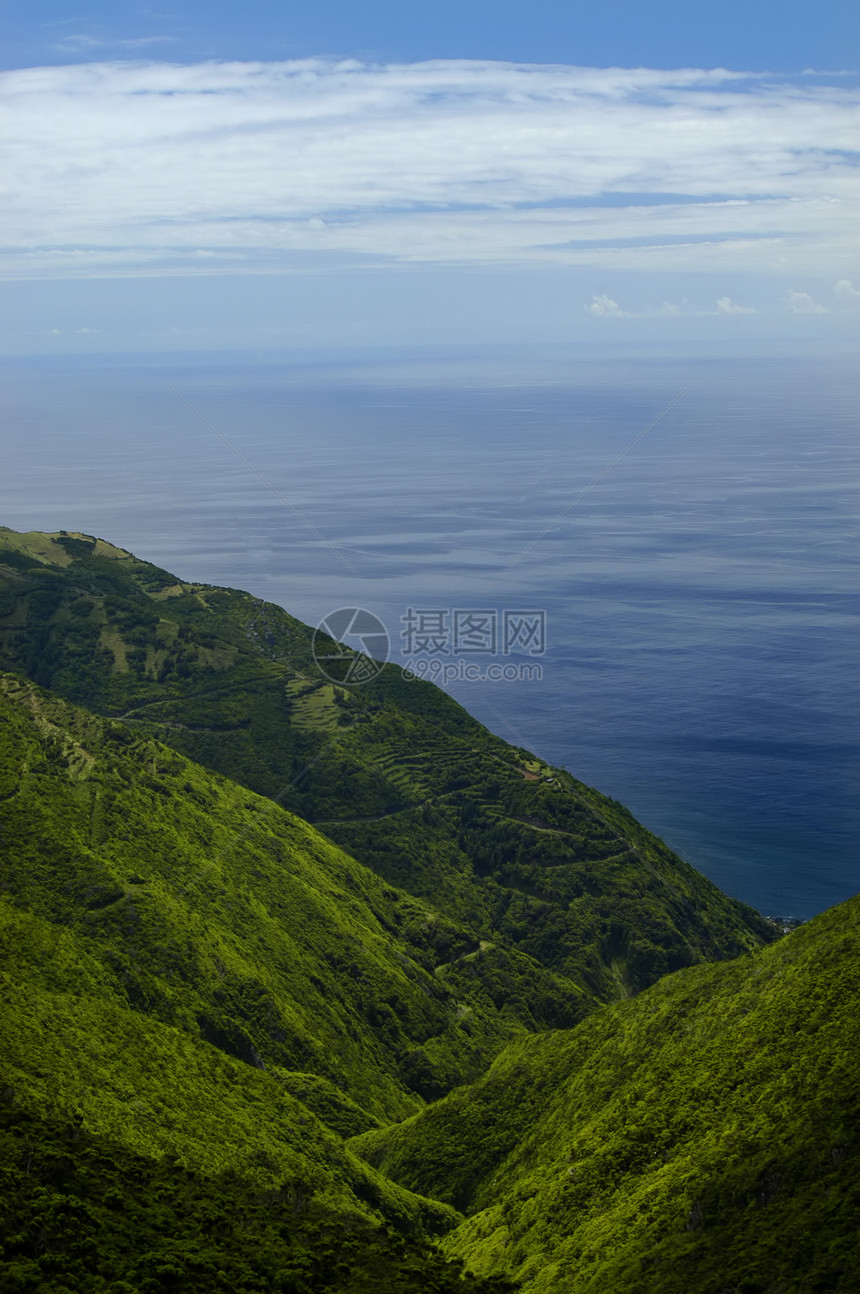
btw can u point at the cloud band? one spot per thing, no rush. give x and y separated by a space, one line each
144 167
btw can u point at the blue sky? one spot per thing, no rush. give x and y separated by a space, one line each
747 35
192 177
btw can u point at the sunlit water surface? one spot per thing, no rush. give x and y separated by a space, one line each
701 597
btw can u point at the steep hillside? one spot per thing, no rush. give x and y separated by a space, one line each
235 1058
396 772
199 997
222 915
137 1158
84 1214
702 1137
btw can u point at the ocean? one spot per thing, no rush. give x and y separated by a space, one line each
687 532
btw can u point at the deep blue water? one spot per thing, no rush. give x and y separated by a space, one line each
701 598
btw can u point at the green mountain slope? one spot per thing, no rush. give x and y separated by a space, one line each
199 997
396 772
82 1214
219 1032
222 915
136 1158
702 1137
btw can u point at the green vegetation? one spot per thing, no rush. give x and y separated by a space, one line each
702 1137
214 911
84 1215
171 947
520 854
235 1057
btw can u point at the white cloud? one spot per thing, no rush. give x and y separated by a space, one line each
726 306
846 293
801 303
112 168
605 307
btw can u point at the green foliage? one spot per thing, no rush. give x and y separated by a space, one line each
214 911
83 1214
396 772
700 1137
331 1106
166 938
202 997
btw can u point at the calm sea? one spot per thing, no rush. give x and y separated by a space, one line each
701 606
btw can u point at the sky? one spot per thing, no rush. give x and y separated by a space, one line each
221 176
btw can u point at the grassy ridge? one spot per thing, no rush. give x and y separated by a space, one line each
700 1137
135 1158
71 1047
222 915
219 1033
396 772
199 997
